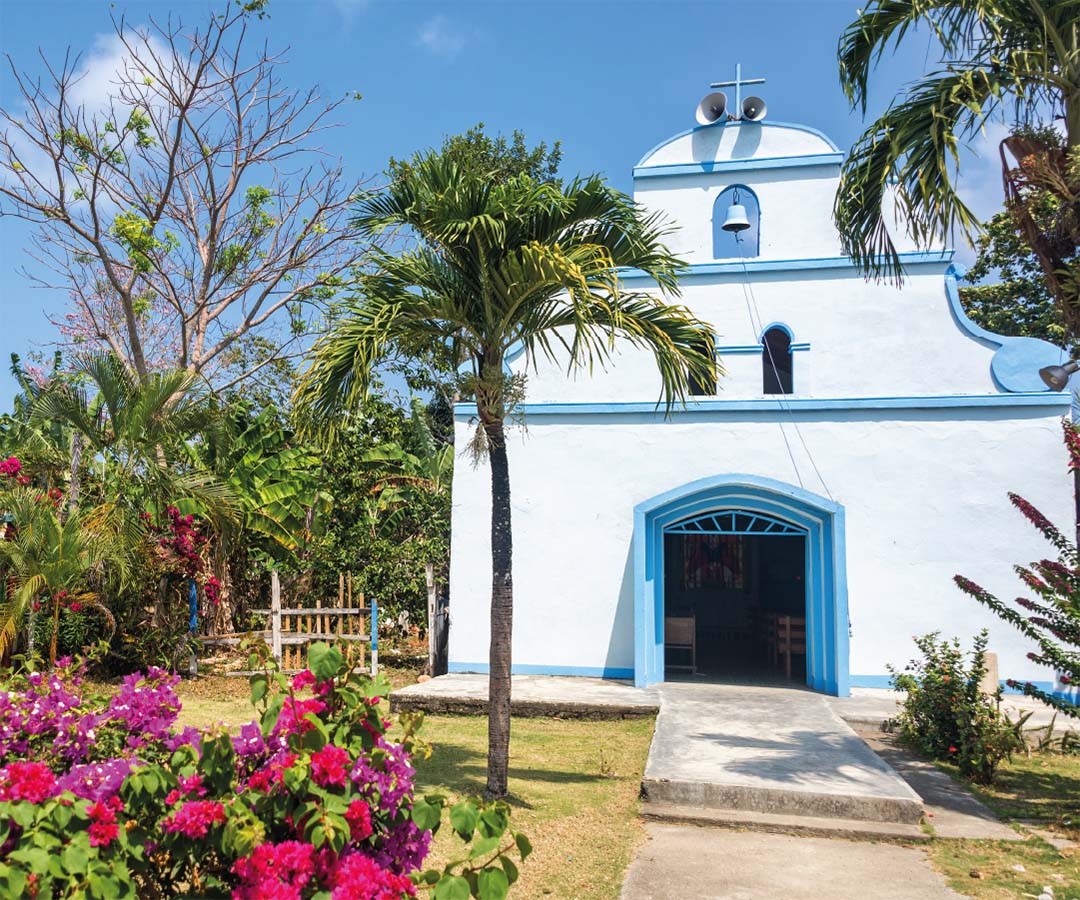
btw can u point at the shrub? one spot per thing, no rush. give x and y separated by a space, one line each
946 715
106 798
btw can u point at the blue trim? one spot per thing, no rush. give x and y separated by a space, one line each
796 404
782 326
739 165
458 668
872 681
737 267
886 682
789 125
1017 360
757 348
826 569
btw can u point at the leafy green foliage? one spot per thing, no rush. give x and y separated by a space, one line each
494 158
945 714
1006 290
389 475
993 53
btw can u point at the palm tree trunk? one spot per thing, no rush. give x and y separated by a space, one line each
502 613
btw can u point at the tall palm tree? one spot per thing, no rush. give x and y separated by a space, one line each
498 263
994 52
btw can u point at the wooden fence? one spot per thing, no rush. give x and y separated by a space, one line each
292 629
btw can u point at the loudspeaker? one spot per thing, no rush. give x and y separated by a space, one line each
711 108
753 109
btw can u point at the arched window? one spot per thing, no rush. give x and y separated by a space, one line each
777 371
725 244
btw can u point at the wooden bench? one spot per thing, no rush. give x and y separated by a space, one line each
680 634
785 637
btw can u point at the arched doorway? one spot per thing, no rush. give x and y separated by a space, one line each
733 503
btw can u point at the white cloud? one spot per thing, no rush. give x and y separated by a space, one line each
349 8
441 36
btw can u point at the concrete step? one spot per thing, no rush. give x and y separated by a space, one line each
783 801
778 823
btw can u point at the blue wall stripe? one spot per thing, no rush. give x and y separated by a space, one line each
750 164
737 267
886 681
796 404
531 669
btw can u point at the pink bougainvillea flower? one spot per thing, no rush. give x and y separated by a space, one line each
358 816
329 766
188 785
195 818
302 680
32 781
275 871
358 877
103 828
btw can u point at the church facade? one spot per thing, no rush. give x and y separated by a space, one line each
803 517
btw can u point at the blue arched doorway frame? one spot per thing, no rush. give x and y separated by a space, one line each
820 519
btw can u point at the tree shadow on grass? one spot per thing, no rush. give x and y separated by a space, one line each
464 770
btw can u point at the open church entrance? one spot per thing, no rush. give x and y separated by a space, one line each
735 598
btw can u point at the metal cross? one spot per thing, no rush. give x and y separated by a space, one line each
738 84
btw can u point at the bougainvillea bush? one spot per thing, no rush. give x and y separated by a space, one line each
107 798
1052 620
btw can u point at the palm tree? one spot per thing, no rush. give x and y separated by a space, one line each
994 52
46 553
499 263
137 432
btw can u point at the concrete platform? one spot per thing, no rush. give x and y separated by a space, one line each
768 750
531 695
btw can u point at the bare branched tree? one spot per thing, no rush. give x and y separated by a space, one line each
187 210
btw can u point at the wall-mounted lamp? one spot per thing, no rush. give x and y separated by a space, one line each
1057 377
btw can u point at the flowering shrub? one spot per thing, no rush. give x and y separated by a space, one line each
946 715
1052 621
309 800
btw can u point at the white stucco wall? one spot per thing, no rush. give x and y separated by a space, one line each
866 340
924 494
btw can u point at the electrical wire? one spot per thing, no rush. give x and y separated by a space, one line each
751 309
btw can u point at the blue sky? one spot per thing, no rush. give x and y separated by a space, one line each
608 79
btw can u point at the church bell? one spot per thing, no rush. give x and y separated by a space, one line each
736 220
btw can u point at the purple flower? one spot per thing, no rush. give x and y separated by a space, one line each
97 781
250 741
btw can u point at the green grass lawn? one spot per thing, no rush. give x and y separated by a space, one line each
1042 789
573 788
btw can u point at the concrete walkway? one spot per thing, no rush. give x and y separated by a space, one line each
715 864
767 750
